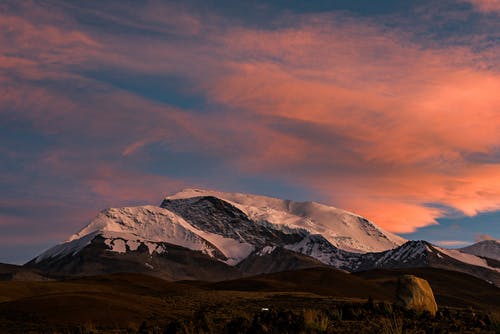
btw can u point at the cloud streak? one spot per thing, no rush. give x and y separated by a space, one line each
452 243
483 237
403 116
486 5
368 117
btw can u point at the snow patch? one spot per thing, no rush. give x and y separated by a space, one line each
67 248
149 225
116 245
485 248
466 258
343 229
266 250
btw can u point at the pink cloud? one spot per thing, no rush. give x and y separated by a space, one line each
452 243
486 5
406 116
30 239
40 216
35 50
483 237
114 186
374 122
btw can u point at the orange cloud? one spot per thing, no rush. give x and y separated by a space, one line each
37 50
113 185
486 5
407 117
374 122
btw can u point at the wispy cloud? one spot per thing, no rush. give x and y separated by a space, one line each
371 119
452 243
390 121
486 5
482 237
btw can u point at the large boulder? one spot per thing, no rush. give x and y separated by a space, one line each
414 293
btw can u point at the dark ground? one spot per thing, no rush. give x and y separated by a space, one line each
318 300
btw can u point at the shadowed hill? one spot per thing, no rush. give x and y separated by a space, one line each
14 272
450 287
320 280
125 301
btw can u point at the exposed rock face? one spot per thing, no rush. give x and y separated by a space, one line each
414 293
228 235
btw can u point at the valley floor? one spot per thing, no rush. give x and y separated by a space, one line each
313 301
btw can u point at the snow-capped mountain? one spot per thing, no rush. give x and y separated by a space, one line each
343 229
209 235
423 254
223 227
125 229
214 215
206 224
485 248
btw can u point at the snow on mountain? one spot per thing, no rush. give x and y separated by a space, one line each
214 215
214 226
316 246
417 254
127 228
485 248
343 229
66 248
410 252
230 226
225 230
466 258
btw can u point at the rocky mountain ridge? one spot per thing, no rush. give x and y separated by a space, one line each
242 235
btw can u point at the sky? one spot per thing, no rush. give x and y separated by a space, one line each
389 109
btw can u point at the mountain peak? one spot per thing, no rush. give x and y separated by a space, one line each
485 248
488 242
190 192
344 229
196 233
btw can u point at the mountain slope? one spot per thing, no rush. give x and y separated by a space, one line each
208 225
11 272
125 229
213 215
341 228
157 241
208 237
421 254
276 259
450 288
319 280
485 248
172 263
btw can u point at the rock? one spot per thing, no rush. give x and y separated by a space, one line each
414 293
